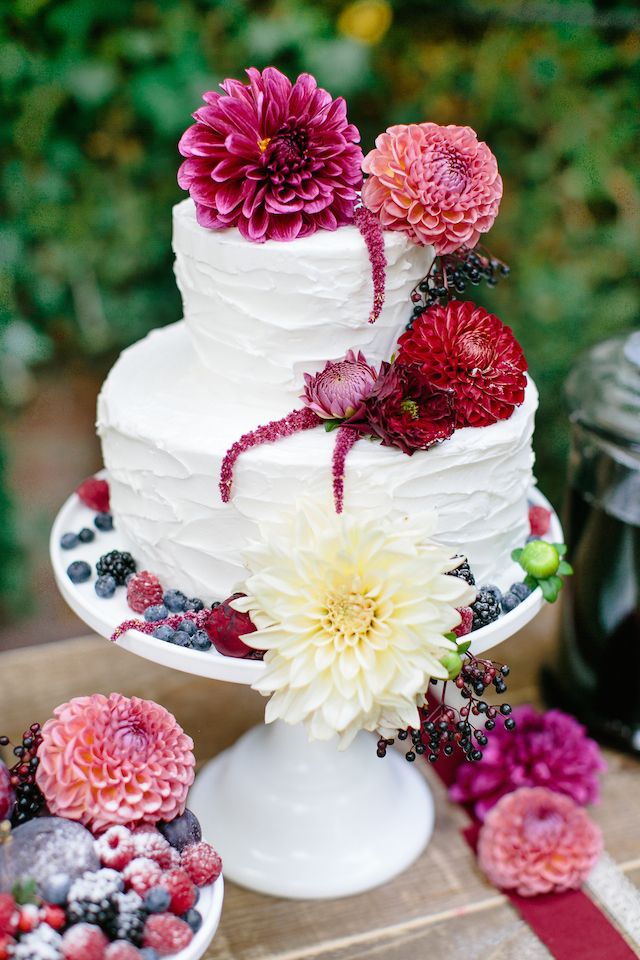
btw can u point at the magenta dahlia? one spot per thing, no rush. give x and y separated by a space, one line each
276 159
463 347
114 760
439 185
339 391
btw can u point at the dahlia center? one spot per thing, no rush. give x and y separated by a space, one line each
288 148
544 825
411 407
452 168
263 144
348 617
476 353
130 739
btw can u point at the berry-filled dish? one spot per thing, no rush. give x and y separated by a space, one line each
100 859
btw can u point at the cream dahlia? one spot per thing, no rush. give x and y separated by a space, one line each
352 613
439 185
114 760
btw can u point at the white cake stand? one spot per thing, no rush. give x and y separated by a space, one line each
290 818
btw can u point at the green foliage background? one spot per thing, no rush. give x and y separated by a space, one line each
95 96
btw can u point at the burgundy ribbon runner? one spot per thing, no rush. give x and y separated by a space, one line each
570 924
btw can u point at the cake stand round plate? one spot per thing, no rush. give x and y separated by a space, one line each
210 906
290 818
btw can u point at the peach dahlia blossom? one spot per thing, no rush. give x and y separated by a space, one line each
114 760
439 185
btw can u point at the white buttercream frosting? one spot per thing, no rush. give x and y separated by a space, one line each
260 315
165 427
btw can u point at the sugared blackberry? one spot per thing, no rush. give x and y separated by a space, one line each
464 572
486 609
129 920
118 563
93 898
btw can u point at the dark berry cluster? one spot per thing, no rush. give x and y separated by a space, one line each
445 728
117 564
450 275
28 797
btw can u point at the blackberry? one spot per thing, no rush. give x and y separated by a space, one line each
118 563
486 609
463 572
496 591
129 920
93 898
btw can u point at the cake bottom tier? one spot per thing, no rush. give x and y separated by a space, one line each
164 438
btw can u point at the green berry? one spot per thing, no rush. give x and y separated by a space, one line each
452 662
540 559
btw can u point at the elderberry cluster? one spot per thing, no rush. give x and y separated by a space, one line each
444 728
29 800
450 274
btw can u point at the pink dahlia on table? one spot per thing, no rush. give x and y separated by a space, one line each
276 159
549 749
463 347
439 185
537 841
338 392
114 760
405 410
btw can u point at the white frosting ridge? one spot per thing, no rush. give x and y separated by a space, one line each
165 430
267 313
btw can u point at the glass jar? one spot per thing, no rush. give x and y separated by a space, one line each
597 673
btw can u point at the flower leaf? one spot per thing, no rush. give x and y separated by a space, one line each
565 569
516 554
330 425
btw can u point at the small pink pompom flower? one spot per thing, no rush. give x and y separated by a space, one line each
114 760
339 391
439 185
536 841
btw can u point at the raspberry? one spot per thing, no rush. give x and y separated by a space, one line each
539 521
153 846
53 916
144 590
94 493
115 848
167 934
464 627
8 914
181 889
84 941
6 945
202 863
122 950
28 918
141 874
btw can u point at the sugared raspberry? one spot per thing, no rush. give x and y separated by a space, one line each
28 918
539 521
202 863
122 950
144 590
166 934
115 847
152 844
8 914
464 627
6 946
53 916
181 889
141 874
94 493
84 941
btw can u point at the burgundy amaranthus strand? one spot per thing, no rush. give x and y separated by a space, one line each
371 230
143 626
345 439
294 422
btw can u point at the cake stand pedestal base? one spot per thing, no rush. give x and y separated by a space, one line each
305 820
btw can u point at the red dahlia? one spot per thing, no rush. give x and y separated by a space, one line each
463 347
405 410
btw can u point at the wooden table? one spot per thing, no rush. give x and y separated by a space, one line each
440 909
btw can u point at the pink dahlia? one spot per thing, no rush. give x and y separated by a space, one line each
275 159
463 347
439 185
548 749
114 760
536 841
339 391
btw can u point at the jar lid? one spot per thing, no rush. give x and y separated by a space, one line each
603 389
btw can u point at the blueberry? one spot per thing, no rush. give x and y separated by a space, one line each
183 831
105 586
181 639
200 641
149 953
521 590
86 535
187 626
79 571
68 541
195 605
55 888
496 591
165 632
103 522
509 602
157 900
157 611
193 918
175 601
